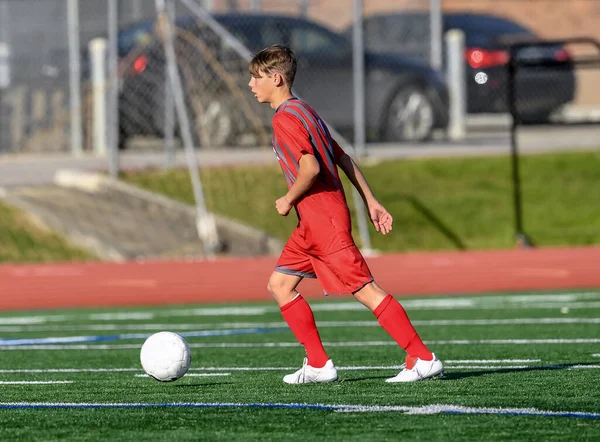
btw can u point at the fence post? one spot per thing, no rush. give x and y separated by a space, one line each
74 77
5 110
436 31
169 109
358 59
113 88
455 44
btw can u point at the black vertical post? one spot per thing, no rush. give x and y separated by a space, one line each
521 238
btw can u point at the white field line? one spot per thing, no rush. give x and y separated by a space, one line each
349 367
593 367
68 370
491 361
34 382
279 324
411 410
539 301
96 347
596 355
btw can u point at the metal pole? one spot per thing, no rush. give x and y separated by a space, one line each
455 44
113 89
205 222
358 61
256 6
521 239
6 116
4 22
303 8
436 30
74 77
169 108
136 10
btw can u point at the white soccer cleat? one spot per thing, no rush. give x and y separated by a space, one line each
308 374
421 370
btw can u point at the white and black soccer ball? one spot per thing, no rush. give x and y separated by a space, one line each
165 356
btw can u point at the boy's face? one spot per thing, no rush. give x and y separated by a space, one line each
264 86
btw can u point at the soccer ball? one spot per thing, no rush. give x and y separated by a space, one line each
165 356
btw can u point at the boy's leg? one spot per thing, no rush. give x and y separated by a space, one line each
392 317
345 271
298 315
420 362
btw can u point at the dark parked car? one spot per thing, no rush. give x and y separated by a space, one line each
540 91
405 98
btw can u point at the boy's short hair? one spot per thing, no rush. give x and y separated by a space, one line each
275 58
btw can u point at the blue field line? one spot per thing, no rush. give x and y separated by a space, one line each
409 410
104 338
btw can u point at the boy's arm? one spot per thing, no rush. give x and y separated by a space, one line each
380 217
307 174
290 132
356 177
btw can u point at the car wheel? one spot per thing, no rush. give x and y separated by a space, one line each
409 117
217 123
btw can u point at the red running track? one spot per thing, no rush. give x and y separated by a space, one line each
38 286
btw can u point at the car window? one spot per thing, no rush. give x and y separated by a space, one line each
404 35
476 38
274 33
484 30
313 41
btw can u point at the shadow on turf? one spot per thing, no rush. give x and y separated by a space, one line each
452 376
365 378
204 385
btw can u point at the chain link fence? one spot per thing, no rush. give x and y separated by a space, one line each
407 104
36 107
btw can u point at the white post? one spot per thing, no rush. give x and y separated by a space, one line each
97 50
455 44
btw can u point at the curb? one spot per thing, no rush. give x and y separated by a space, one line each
255 240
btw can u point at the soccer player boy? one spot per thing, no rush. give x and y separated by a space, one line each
322 246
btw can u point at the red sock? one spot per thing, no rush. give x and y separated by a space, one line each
392 317
299 316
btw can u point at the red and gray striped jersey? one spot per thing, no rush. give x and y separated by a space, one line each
298 130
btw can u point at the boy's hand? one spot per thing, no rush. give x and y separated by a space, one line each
381 218
283 206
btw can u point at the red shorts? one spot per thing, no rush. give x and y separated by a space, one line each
343 271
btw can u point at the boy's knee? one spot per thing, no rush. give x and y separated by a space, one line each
281 290
370 295
275 286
